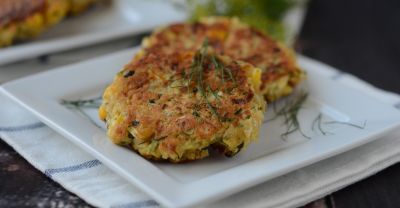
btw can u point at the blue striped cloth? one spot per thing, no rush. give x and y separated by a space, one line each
87 177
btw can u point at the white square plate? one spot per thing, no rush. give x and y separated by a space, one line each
181 185
120 18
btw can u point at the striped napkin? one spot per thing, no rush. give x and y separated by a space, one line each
88 178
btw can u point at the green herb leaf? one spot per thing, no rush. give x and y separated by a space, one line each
196 75
290 114
238 111
88 103
318 122
79 105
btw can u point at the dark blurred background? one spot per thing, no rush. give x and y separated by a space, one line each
361 37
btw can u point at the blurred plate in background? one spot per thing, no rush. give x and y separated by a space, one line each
104 22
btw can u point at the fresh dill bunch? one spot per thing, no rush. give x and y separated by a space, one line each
265 15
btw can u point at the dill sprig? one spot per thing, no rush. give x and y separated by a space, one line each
348 124
218 67
213 93
318 122
196 75
88 103
222 70
290 113
81 104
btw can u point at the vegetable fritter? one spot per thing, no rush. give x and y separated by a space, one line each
25 19
229 36
178 106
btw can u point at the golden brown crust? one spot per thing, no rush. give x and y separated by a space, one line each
158 107
14 10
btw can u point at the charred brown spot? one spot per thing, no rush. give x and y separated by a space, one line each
276 49
219 147
242 101
128 73
135 123
139 80
196 27
231 154
259 33
271 74
217 45
175 66
176 28
186 123
255 58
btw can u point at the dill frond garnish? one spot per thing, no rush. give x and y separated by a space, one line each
348 124
318 122
88 103
79 105
196 75
213 93
290 112
218 67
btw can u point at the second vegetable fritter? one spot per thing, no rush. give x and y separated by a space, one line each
229 36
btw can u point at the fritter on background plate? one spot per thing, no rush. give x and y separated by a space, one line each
177 106
229 36
25 19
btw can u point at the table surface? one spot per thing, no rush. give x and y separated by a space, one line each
360 37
